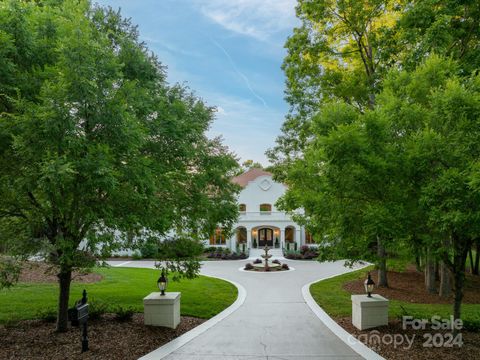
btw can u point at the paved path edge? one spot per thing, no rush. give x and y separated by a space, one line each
178 342
357 346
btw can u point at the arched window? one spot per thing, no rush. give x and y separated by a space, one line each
241 235
218 237
265 208
309 238
289 234
242 208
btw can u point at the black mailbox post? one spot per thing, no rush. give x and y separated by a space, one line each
78 315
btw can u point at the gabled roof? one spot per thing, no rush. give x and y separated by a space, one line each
249 175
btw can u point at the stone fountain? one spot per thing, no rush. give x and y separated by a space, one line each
266 256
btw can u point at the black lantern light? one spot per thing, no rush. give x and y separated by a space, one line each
162 283
369 284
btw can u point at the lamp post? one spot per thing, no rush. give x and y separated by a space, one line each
162 283
369 284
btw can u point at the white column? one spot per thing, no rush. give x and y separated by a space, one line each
282 238
249 238
298 240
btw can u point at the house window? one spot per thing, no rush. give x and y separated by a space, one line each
218 237
241 235
289 234
242 208
309 238
265 208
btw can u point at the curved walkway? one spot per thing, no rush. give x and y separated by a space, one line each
274 322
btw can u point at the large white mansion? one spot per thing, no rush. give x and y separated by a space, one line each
260 223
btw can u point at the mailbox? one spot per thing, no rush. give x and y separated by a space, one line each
78 315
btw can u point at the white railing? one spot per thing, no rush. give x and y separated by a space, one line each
271 215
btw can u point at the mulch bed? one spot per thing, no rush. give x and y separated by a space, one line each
469 351
40 272
409 286
108 339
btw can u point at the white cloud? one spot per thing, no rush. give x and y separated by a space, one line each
221 111
259 19
248 128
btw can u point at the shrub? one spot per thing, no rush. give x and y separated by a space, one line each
96 309
257 261
48 315
136 255
310 255
248 266
285 267
149 249
124 314
472 324
276 261
304 249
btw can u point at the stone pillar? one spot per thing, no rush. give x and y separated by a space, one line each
162 310
369 312
298 239
249 238
282 238
233 242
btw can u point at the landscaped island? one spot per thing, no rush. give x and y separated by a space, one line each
407 297
116 328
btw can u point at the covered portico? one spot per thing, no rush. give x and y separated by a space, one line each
274 235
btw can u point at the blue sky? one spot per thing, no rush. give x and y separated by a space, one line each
229 52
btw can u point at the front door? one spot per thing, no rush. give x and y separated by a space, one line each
265 237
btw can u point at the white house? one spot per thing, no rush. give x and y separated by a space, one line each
260 223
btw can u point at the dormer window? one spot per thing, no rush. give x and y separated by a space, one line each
242 208
265 208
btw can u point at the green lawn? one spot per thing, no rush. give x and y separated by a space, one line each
202 297
330 295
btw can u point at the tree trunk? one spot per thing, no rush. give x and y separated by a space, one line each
445 281
382 265
418 265
64 279
477 259
430 273
461 247
470 256
459 282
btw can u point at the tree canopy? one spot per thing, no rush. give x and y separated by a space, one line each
380 145
95 145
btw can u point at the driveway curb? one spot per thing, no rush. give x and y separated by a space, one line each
178 342
340 332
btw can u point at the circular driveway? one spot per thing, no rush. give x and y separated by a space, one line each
274 322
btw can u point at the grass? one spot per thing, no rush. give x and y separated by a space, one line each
336 301
202 297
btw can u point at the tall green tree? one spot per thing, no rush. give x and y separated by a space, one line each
442 152
339 52
95 144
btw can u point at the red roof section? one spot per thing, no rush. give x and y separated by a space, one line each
249 175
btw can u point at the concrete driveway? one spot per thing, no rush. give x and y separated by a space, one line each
274 322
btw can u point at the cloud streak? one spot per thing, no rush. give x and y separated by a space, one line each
242 75
260 19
